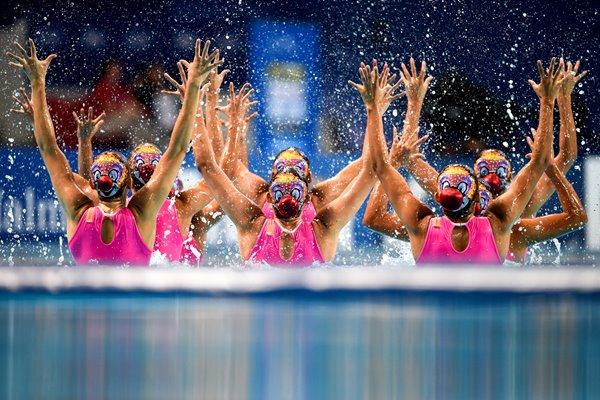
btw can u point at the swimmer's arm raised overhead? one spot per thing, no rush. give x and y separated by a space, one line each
573 217
147 201
87 127
242 211
213 123
376 216
507 208
234 160
411 211
72 199
567 153
27 111
416 85
331 188
333 216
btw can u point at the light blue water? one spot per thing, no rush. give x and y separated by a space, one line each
300 345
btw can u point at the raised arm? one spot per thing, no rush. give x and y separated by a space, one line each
72 199
146 202
567 153
376 216
416 84
242 211
373 90
87 127
331 188
505 209
573 217
213 124
409 209
236 110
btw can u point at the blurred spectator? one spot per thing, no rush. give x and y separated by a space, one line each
123 110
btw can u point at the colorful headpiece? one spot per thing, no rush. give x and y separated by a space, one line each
294 158
289 192
494 168
142 161
457 190
110 174
485 197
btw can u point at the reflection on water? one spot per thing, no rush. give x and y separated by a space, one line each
300 346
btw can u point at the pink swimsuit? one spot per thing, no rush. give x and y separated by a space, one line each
127 246
438 249
169 240
306 248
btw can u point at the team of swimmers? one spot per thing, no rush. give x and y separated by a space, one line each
488 216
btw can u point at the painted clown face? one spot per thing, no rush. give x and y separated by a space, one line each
485 197
457 189
494 168
142 161
290 158
289 193
109 175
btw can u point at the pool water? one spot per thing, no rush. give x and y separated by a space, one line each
300 345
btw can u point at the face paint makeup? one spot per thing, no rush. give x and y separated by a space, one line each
293 158
494 168
142 161
109 175
177 187
457 189
485 196
289 193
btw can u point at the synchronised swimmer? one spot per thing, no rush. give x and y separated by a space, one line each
122 210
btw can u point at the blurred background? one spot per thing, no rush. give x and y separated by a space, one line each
299 58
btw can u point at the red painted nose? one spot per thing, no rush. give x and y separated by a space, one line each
451 199
494 181
105 184
288 207
478 210
146 172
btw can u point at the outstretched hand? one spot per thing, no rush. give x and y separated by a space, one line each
405 149
215 79
203 63
570 77
236 109
532 142
26 105
415 83
179 87
387 89
369 78
87 125
34 68
550 80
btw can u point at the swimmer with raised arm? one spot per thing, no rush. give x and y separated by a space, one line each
211 213
112 232
283 235
494 171
321 193
459 236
